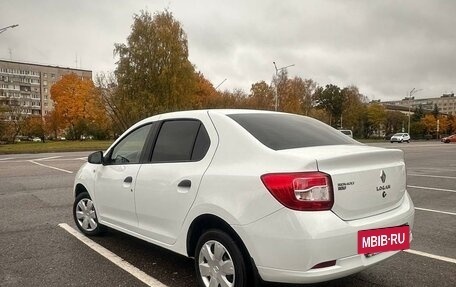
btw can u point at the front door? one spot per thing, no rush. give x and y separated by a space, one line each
116 179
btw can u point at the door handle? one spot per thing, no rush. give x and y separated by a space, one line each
185 183
128 179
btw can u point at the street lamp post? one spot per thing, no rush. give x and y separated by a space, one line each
6 28
412 92
277 85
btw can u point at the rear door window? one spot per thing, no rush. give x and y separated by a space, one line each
181 140
286 131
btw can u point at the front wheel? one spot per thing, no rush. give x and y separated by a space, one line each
219 261
85 215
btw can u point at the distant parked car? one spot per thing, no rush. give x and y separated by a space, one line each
347 132
449 139
400 138
36 140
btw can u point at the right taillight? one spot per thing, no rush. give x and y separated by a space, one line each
309 191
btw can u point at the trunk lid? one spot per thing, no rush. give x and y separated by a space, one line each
366 180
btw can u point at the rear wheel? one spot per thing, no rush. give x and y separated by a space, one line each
85 215
219 261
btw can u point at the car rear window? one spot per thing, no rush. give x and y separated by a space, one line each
286 131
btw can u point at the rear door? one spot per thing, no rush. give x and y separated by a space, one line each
167 186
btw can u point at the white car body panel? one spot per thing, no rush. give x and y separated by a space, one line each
226 183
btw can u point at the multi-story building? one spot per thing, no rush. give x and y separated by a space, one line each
26 86
446 103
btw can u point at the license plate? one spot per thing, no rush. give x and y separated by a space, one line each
383 239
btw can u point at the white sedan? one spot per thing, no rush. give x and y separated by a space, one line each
250 194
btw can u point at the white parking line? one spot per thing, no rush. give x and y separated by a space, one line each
52 167
431 188
438 257
140 275
437 211
7 158
47 158
428 175
431 168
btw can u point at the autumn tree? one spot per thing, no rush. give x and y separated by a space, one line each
261 96
354 111
430 123
154 74
452 124
444 124
53 124
34 127
236 99
77 104
298 96
376 118
205 96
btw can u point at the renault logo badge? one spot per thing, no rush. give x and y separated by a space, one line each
383 176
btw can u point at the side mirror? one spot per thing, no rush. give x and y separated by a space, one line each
96 157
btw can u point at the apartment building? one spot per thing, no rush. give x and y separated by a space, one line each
446 103
26 86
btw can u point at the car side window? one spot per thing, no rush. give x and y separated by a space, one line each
129 149
202 144
181 140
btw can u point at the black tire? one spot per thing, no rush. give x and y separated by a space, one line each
93 228
392 141
209 239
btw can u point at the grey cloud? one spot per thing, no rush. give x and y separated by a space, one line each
384 47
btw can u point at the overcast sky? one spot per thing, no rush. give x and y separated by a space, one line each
386 48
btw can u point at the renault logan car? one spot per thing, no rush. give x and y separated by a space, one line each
250 194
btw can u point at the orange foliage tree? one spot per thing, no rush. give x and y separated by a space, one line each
78 105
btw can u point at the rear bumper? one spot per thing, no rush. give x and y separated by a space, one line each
287 244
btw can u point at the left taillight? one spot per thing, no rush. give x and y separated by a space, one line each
306 191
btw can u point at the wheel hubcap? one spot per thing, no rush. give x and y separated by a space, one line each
215 265
85 214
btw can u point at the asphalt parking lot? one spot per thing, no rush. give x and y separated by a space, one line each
36 249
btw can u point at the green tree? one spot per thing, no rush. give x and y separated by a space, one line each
153 72
395 121
332 100
418 113
435 111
